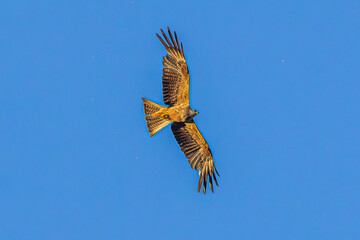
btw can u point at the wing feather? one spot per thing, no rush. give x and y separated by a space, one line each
177 41
197 151
176 77
166 38
172 38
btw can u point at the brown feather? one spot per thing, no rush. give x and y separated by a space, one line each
162 41
166 38
172 38
151 107
210 182
216 171
177 42
182 49
155 124
205 180
200 181
215 178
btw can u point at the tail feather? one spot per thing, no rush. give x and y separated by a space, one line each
154 124
151 107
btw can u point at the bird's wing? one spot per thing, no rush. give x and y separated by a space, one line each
176 78
197 151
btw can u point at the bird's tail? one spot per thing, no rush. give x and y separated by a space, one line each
154 124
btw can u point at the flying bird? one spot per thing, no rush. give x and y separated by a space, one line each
176 83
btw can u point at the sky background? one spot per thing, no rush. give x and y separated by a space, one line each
277 85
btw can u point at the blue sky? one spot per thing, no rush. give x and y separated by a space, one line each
277 87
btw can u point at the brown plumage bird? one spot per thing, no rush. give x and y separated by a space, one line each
176 80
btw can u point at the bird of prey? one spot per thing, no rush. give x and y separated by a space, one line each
175 81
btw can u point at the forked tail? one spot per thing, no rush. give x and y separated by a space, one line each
154 124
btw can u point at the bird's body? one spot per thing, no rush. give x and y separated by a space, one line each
178 113
176 79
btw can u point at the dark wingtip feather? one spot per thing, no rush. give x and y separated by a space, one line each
162 41
200 182
214 176
211 183
162 31
182 49
216 171
177 42
172 38
205 180
166 38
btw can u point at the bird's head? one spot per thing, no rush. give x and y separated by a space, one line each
193 113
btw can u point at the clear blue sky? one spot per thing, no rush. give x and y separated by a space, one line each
277 85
